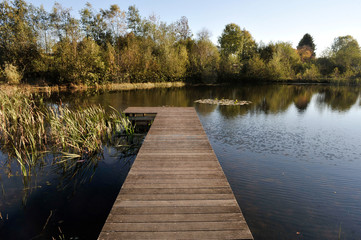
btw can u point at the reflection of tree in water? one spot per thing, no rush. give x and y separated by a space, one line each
302 98
338 98
205 109
273 98
267 98
233 110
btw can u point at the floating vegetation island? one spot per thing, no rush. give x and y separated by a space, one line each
224 102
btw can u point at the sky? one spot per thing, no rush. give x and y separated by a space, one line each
266 20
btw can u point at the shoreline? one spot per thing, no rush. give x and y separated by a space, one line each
30 88
34 88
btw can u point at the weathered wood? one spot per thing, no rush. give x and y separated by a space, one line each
242 234
176 188
173 210
173 226
168 197
217 217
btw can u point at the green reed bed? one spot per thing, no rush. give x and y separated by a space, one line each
30 129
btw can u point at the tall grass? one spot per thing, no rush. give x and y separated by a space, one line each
29 129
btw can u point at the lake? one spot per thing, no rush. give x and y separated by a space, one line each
292 158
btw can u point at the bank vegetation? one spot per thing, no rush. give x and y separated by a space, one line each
116 46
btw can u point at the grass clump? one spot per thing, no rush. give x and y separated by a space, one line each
29 129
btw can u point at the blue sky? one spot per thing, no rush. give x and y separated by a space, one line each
275 20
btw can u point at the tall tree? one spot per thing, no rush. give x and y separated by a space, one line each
230 40
134 20
204 34
116 21
237 42
204 60
307 41
18 40
183 32
346 54
94 25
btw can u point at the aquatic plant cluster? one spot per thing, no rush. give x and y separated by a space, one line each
225 102
31 129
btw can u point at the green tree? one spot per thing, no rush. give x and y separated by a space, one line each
230 40
90 67
236 41
256 68
346 54
266 51
237 47
94 25
86 19
307 40
134 20
204 60
284 63
116 21
18 40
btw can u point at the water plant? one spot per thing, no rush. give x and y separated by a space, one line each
31 129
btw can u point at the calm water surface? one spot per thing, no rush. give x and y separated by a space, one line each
292 157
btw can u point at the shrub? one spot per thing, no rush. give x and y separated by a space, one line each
311 73
11 74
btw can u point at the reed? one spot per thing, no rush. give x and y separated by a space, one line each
30 129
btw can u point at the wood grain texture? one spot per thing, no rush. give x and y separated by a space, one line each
176 188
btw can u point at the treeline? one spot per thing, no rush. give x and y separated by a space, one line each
115 46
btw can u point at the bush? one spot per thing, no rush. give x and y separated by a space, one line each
256 68
312 73
10 74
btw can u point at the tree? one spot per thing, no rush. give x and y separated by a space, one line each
18 39
346 54
237 42
116 21
307 40
230 40
284 62
86 18
183 32
204 60
204 34
266 51
237 47
306 53
134 20
94 25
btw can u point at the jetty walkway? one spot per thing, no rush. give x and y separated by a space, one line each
176 188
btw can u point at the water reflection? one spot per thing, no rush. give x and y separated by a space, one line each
268 99
292 158
339 99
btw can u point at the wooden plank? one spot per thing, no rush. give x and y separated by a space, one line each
241 234
152 197
156 191
215 175
175 203
173 185
174 210
154 218
174 226
176 188
195 181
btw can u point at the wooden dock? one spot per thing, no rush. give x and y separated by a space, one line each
176 188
